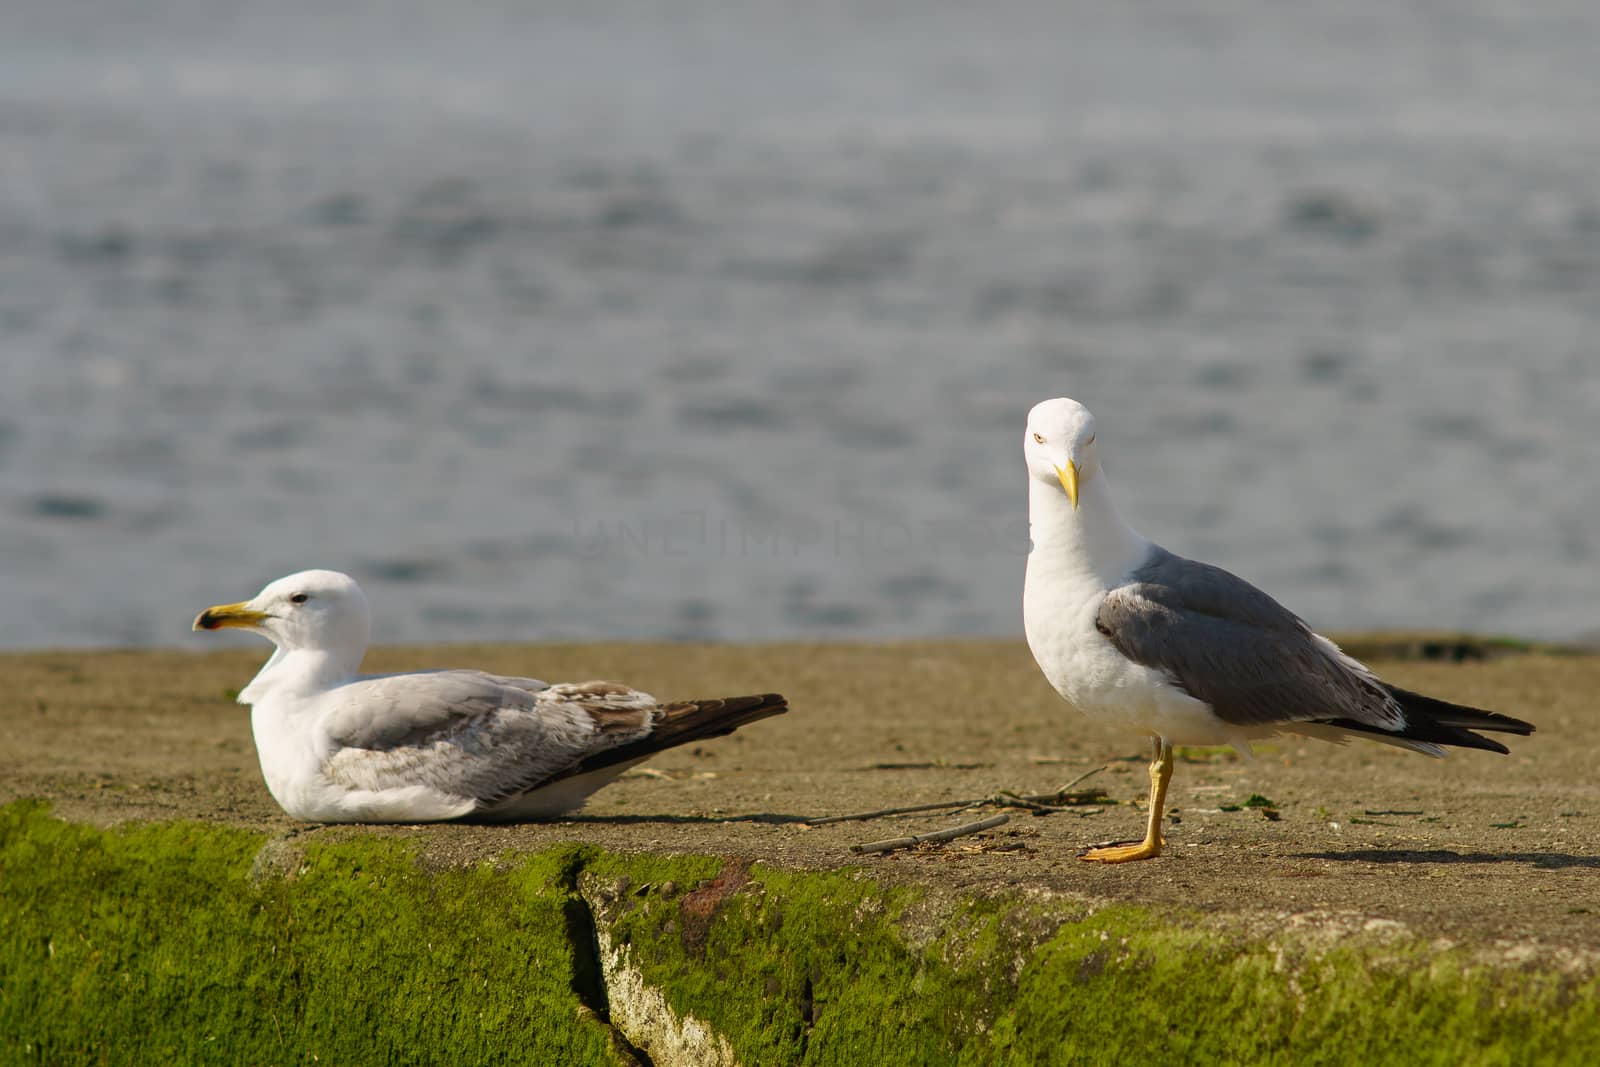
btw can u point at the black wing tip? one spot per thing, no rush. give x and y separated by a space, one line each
719 716
1462 716
1425 731
1439 722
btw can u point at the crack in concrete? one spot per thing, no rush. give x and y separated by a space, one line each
640 1011
588 972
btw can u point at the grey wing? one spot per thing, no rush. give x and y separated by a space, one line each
474 735
388 710
1227 643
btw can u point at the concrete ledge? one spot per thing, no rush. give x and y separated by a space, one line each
179 943
156 907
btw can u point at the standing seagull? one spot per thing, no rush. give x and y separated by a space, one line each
1184 651
336 746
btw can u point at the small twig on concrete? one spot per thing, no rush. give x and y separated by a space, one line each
1041 802
1011 800
881 812
935 836
1048 802
1091 771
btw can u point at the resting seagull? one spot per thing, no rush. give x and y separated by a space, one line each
1186 652
336 746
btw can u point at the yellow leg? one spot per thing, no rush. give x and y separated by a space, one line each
1150 847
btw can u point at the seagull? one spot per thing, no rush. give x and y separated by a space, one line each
336 746
1183 651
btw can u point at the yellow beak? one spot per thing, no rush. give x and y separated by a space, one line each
225 615
1069 481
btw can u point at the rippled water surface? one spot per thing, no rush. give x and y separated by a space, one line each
716 320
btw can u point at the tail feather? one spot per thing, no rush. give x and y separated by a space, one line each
1438 722
685 722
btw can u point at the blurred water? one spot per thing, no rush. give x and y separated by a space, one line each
716 320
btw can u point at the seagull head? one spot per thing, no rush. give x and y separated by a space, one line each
322 610
1059 445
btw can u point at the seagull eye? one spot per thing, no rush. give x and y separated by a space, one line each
1039 437
299 598
1090 441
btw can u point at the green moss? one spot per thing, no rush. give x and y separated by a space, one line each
794 966
189 943
155 945
1123 985
829 969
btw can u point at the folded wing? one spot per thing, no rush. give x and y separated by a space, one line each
474 735
1227 643
1223 641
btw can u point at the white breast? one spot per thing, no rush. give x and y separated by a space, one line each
291 761
1059 607
1058 616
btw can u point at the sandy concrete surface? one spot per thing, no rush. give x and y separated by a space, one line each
1476 848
